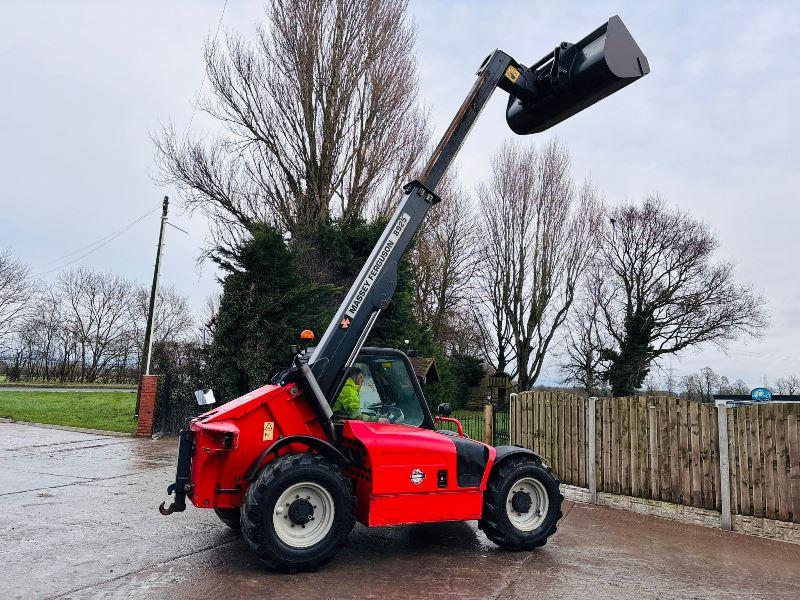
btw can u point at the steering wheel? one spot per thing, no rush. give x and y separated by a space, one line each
390 412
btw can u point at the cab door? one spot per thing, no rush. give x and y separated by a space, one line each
390 392
408 472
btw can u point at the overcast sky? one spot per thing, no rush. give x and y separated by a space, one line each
713 128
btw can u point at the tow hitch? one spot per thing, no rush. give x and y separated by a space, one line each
181 487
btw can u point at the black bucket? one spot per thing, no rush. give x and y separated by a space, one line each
574 77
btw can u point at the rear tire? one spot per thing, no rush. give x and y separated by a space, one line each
298 512
232 517
522 504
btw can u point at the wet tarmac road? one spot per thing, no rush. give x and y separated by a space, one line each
79 519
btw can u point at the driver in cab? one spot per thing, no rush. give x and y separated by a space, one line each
348 404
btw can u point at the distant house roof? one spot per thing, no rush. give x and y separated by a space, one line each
497 373
425 368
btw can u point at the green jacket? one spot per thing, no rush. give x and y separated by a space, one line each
349 402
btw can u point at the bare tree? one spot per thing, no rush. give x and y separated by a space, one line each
540 230
740 387
651 386
208 319
788 385
494 329
320 118
662 293
15 292
89 326
582 361
710 383
692 386
97 314
40 334
172 321
445 259
464 335
489 310
702 386
670 382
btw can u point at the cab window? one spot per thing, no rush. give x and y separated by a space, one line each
386 392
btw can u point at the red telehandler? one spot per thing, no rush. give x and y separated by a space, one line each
294 476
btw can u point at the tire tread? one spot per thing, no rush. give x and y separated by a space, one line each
253 505
492 524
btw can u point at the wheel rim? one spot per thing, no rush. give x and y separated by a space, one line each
303 514
527 504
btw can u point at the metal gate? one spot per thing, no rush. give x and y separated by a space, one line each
175 405
501 427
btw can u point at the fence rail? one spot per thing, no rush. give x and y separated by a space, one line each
668 449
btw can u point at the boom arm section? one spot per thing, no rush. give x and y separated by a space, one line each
572 78
376 283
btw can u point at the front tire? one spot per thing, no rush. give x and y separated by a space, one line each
230 516
298 512
522 504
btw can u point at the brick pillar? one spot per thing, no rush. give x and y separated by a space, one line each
147 404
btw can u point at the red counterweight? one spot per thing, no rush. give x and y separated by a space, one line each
230 438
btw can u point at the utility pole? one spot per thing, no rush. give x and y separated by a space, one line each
151 311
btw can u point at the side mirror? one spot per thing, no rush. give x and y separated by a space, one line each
573 77
444 410
205 397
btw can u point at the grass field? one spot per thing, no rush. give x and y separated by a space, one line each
471 420
62 384
110 411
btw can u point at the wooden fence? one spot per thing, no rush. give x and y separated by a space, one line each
668 449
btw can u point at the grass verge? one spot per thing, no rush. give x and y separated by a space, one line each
109 411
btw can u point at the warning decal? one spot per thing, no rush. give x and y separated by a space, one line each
512 73
269 430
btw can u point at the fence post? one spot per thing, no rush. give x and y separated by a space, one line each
591 450
488 421
652 451
724 472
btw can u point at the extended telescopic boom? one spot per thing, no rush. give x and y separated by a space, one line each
572 78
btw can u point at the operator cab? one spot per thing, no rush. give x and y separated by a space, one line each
390 392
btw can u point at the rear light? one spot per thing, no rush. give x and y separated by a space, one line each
221 436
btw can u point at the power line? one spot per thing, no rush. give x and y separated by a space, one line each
82 248
94 246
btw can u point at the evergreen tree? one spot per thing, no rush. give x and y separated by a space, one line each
273 289
266 302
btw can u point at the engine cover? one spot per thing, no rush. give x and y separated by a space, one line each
406 474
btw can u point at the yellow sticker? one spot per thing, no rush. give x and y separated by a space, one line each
269 430
512 73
